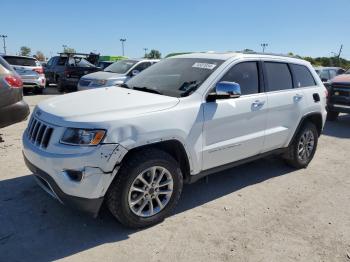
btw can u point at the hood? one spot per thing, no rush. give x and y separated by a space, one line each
101 105
345 78
101 75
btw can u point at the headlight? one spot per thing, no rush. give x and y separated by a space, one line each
100 82
83 137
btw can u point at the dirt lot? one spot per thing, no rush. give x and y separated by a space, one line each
262 211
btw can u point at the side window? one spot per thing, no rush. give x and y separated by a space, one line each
246 75
61 61
278 76
303 76
142 66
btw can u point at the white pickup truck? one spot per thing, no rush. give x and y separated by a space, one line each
181 119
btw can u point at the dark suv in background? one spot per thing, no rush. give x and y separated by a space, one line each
66 69
12 107
338 96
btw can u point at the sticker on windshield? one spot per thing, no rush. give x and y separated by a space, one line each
204 66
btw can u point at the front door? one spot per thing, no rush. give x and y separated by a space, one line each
234 128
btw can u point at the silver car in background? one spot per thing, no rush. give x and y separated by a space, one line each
115 74
30 70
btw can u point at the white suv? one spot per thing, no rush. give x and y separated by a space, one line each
183 118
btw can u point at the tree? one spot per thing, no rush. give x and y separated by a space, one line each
68 50
25 51
154 54
39 55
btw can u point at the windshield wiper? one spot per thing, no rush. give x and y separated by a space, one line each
146 89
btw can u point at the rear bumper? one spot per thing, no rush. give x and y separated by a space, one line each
14 113
34 83
91 206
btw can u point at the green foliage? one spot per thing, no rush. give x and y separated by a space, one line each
25 51
153 54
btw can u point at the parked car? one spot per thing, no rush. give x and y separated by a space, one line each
327 73
30 70
12 107
181 119
338 96
104 64
115 74
65 70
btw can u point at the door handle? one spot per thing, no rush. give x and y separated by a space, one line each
258 104
298 97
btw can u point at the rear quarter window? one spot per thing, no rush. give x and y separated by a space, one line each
302 76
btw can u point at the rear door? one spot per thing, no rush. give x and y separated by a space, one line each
234 128
285 104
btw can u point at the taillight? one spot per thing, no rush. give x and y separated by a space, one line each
326 93
39 70
14 81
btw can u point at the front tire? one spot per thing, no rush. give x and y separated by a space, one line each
303 147
146 189
60 86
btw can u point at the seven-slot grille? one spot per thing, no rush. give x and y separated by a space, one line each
39 133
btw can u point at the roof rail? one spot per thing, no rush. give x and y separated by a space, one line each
274 54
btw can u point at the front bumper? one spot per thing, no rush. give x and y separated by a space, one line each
91 206
339 108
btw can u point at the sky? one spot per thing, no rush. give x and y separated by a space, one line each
304 27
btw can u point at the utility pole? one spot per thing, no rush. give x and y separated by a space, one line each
340 50
4 41
145 51
264 45
122 40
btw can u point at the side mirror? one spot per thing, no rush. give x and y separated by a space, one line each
225 90
324 79
135 72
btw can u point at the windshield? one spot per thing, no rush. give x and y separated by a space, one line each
120 67
177 77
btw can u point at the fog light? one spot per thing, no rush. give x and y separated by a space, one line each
74 175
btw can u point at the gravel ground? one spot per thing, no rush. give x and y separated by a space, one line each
262 211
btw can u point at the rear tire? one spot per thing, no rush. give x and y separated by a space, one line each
303 147
136 198
332 116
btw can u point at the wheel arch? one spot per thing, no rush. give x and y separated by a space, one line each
315 118
173 147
